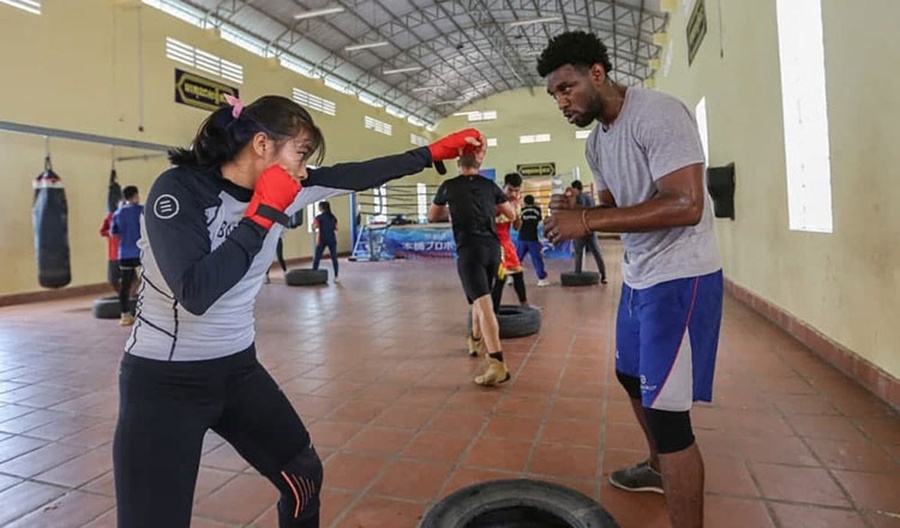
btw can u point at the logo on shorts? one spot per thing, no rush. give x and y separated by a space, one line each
165 207
644 386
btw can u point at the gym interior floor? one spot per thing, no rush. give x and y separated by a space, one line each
376 366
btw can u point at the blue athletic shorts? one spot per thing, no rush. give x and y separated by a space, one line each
667 336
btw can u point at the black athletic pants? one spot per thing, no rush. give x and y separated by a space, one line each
128 268
165 409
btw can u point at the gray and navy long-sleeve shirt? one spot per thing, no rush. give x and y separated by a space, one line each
204 263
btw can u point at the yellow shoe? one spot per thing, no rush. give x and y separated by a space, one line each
476 346
495 374
126 320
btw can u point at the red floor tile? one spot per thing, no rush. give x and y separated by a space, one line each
75 508
853 455
412 480
239 501
874 491
798 484
377 512
431 445
724 512
561 460
349 471
498 454
797 516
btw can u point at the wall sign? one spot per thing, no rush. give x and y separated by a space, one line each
527 170
696 29
200 92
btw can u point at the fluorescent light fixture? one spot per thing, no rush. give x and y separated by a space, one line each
402 70
318 12
457 101
357 47
426 88
535 21
465 114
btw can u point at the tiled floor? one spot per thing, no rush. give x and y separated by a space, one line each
376 367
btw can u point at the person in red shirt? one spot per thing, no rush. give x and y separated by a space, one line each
510 264
113 275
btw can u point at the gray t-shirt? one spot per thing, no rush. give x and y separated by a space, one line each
654 135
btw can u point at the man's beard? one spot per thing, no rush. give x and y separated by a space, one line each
592 113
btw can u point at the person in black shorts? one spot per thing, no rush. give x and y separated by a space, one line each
474 202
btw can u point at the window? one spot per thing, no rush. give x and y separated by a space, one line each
311 211
418 140
298 66
378 126
582 134
192 16
381 206
488 115
396 112
370 100
492 142
32 6
422 202
537 138
702 127
201 60
314 102
804 103
338 85
243 40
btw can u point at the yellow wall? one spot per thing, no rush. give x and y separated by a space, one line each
76 67
845 284
525 112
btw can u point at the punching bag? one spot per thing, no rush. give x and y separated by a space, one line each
50 216
113 194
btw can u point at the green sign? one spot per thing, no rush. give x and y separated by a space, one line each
536 169
696 29
201 92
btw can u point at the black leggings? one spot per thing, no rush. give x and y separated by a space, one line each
518 285
128 267
165 409
279 254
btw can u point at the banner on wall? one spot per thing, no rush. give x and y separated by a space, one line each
490 174
696 29
530 170
200 92
420 241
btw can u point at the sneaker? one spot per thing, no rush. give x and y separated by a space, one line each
640 477
336 279
495 374
475 346
543 282
126 320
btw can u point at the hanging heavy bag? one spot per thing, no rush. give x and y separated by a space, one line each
50 216
113 194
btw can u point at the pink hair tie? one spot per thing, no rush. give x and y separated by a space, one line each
236 104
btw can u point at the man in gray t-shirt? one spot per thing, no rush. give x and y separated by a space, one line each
648 165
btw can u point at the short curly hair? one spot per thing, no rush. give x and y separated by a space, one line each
577 48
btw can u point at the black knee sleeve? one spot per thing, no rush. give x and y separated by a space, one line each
671 430
632 385
300 482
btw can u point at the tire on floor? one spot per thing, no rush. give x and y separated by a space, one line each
515 321
585 278
305 277
108 307
522 503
